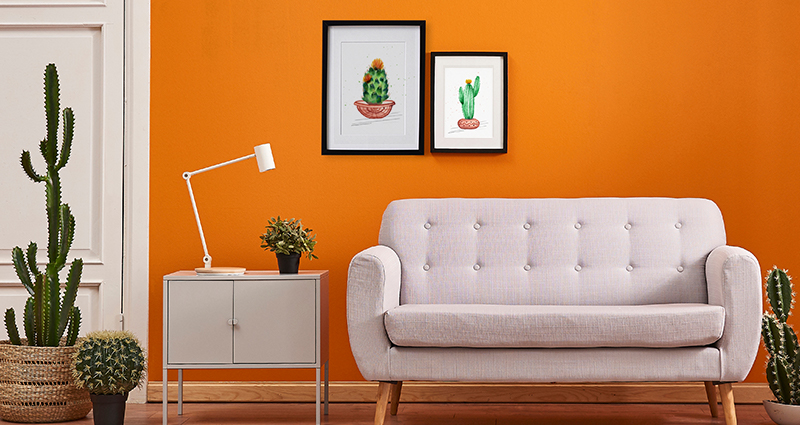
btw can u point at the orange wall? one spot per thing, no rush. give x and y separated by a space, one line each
606 98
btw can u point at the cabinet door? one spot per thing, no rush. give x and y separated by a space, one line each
277 321
198 330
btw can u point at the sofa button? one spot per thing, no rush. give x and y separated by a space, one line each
680 269
527 267
526 226
629 268
427 226
628 226
577 225
426 267
476 267
578 268
476 226
678 225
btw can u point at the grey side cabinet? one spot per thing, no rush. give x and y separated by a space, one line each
261 319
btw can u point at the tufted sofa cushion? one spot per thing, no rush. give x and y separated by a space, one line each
589 251
522 326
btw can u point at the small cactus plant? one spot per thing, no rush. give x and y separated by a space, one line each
783 366
109 362
48 313
466 95
374 83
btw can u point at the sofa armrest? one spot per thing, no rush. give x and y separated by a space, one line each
734 282
373 287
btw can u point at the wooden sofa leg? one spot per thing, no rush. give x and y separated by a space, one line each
711 392
384 388
396 388
728 407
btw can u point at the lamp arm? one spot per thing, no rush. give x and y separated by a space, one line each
188 177
203 170
206 257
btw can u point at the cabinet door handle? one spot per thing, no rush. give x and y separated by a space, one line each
233 322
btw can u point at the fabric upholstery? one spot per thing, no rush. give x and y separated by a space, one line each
475 251
734 282
373 286
518 326
554 364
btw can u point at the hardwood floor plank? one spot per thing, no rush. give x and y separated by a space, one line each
439 414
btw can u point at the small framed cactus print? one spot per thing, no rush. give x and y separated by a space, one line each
373 87
469 102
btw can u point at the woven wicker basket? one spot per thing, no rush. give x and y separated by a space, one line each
36 385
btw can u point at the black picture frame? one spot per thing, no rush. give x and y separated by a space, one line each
347 49
447 132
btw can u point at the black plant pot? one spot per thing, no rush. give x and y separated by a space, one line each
109 409
288 264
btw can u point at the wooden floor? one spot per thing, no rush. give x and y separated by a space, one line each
441 414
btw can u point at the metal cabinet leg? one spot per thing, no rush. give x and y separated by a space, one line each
318 394
327 386
164 402
180 392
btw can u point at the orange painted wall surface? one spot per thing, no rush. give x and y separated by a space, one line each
606 98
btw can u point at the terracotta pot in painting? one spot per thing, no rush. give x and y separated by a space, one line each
468 124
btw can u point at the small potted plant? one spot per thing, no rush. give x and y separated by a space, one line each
783 366
109 364
288 240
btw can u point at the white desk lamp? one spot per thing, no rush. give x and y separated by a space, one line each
263 154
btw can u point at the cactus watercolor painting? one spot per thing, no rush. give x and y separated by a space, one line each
375 85
375 103
466 96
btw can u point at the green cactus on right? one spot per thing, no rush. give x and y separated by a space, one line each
780 340
374 83
109 362
466 96
48 313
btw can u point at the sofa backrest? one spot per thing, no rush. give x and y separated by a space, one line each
589 251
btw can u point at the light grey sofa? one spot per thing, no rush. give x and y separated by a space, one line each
554 290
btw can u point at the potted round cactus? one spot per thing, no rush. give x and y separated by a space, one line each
374 103
783 366
37 384
288 240
109 364
466 95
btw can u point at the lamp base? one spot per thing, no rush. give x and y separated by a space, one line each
220 271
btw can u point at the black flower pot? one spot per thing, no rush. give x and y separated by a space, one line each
109 409
288 264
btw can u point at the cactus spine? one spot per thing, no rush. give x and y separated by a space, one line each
780 340
109 362
47 313
374 84
466 95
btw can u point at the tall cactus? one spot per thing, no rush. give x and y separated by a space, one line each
48 313
783 366
466 96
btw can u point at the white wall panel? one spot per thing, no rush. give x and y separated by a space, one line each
22 121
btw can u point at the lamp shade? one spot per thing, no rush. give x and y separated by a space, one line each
264 158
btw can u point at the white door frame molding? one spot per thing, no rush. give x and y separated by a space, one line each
136 177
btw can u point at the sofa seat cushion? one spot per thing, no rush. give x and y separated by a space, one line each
553 326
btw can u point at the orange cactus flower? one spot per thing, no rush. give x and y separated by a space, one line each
377 63
469 81
367 77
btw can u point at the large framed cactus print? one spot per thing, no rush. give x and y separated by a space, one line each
469 102
373 82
